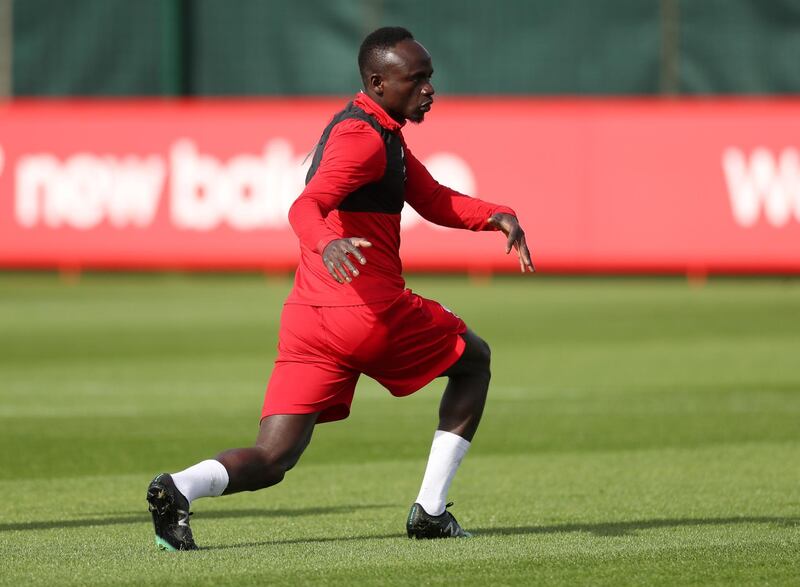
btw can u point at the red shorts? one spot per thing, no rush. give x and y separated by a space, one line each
403 344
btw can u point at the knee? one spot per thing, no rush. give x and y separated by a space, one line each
272 467
478 367
481 357
271 477
475 361
283 460
484 354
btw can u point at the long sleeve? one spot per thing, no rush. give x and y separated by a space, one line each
444 206
354 156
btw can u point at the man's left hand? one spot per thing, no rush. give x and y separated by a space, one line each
516 238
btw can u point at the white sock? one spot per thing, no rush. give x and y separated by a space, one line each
447 451
206 479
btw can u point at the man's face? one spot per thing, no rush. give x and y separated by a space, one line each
403 87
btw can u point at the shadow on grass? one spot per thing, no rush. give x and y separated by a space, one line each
629 528
138 518
604 530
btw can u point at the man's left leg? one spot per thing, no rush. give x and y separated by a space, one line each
459 415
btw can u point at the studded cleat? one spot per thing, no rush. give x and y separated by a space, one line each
170 511
420 524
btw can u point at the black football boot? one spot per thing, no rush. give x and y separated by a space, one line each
170 511
421 524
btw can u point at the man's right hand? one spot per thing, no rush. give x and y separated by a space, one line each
336 260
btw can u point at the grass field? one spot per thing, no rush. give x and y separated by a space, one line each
639 431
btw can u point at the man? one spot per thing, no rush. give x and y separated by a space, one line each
349 312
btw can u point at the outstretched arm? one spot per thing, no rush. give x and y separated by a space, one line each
444 206
516 238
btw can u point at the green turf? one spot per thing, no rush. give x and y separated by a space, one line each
639 431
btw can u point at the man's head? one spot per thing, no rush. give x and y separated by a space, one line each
396 71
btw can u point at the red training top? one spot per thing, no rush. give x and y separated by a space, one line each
355 155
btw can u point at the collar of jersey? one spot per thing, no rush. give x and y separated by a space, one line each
371 107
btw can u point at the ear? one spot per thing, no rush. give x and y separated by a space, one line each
376 83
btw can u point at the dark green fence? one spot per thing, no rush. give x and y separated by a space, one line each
283 47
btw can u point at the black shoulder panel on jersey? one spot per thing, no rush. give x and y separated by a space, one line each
385 195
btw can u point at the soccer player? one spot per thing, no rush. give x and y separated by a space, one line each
349 311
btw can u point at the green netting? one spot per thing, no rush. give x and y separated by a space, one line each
87 47
537 46
740 46
570 46
282 47
249 47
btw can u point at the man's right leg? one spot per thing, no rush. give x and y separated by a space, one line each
281 440
459 415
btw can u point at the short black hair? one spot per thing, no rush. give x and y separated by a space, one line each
376 42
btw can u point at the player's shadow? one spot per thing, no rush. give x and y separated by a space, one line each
139 517
609 529
630 528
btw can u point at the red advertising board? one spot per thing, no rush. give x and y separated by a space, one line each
600 185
